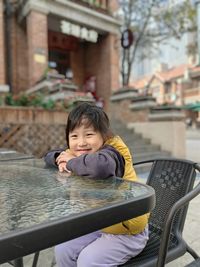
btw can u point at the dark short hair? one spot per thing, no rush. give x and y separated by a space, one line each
94 116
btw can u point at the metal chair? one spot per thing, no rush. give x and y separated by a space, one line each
173 181
19 261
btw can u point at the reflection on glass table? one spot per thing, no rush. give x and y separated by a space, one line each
8 154
41 207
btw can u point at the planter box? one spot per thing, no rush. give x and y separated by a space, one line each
29 115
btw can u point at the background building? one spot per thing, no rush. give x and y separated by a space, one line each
171 52
78 39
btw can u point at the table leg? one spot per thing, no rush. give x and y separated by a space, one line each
18 262
35 259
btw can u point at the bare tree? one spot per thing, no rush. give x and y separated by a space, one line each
152 22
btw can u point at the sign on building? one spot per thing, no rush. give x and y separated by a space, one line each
78 31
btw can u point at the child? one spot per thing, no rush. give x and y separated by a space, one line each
96 153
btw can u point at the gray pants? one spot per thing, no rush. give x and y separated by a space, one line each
99 249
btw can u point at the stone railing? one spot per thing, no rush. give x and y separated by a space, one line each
164 126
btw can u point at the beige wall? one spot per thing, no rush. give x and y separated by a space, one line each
170 135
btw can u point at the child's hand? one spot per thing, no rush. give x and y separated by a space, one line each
64 156
62 167
62 160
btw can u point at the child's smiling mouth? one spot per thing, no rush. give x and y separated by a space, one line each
84 151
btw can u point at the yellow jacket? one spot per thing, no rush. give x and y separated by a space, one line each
138 224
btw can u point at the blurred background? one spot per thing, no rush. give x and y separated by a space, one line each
139 60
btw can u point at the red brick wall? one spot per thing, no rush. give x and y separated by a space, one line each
13 53
18 56
78 66
2 50
22 60
120 110
113 5
30 40
37 35
115 67
102 60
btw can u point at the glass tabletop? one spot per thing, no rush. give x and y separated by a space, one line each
31 194
8 154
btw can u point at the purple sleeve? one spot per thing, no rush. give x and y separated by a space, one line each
103 164
50 157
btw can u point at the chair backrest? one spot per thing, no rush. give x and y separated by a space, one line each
171 179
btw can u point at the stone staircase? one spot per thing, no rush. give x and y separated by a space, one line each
140 148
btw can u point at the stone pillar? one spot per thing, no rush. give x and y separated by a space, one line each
37 36
120 104
141 107
141 102
2 48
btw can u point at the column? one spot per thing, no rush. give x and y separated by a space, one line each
2 48
37 35
108 67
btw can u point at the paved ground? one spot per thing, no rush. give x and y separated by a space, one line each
193 145
191 230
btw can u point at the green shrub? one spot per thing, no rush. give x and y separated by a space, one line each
36 100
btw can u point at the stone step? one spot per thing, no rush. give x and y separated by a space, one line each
149 155
128 134
139 141
140 148
135 139
137 148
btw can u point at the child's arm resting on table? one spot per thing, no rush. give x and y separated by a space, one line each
104 163
62 160
51 156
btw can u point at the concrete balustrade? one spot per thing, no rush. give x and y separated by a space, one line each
164 126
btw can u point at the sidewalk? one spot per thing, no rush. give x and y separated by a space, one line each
193 144
191 231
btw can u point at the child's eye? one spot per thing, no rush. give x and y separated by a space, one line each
73 136
90 134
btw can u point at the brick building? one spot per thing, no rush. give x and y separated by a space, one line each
178 86
76 37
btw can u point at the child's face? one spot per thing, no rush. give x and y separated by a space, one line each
85 140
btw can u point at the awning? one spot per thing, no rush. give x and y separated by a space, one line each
192 106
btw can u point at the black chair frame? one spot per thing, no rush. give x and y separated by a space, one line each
166 243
